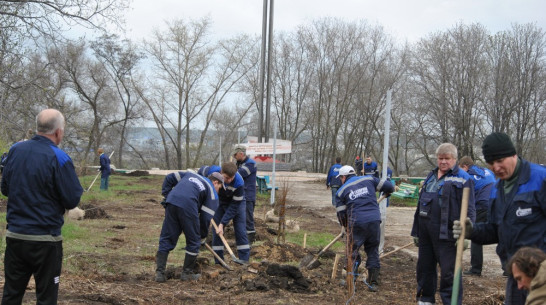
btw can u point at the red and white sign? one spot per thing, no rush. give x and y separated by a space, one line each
254 148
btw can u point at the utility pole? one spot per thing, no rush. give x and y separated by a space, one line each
265 73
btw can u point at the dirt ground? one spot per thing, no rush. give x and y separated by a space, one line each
273 277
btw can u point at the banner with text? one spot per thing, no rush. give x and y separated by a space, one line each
253 148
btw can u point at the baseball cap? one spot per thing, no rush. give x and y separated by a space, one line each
238 149
346 170
219 177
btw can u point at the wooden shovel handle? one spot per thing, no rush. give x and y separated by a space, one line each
222 238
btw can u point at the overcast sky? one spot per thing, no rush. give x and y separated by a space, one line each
404 19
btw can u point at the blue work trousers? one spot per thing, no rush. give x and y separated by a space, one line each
367 235
104 183
334 191
239 225
178 220
250 216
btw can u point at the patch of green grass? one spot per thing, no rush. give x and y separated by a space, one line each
403 202
315 240
71 230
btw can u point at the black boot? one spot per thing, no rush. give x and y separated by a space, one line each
188 271
251 237
373 279
161 262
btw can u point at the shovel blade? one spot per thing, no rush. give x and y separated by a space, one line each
306 260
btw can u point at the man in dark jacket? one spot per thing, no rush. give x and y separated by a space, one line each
370 167
231 207
105 170
438 206
517 215
357 210
246 167
190 203
40 182
358 166
332 180
484 182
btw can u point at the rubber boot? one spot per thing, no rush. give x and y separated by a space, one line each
188 271
251 237
373 279
161 263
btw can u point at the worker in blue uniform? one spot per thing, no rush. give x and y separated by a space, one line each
439 205
370 167
231 207
104 169
190 203
358 212
332 179
247 168
517 213
484 182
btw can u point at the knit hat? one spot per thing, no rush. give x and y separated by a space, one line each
496 146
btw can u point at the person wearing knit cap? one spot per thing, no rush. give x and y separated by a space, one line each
517 213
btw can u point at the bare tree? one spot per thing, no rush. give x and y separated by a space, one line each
450 71
35 18
120 60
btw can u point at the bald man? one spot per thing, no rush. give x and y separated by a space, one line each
40 182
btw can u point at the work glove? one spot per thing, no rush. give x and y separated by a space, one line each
416 241
164 203
465 243
457 228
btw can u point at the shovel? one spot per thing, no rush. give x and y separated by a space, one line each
310 261
222 262
233 257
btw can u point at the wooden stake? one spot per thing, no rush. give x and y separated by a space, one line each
304 240
334 268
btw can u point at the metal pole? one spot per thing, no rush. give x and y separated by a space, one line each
220 153
262 75
383 203
274 162
269 52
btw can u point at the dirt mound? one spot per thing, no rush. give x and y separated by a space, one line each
138 173
93 212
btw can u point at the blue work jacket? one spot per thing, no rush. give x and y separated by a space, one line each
247 169
104 165
356 201
441 205
206 170
231 197
40 182
517 219
332 180
484 181
192 192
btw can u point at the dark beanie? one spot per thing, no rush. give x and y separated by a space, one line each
496 146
